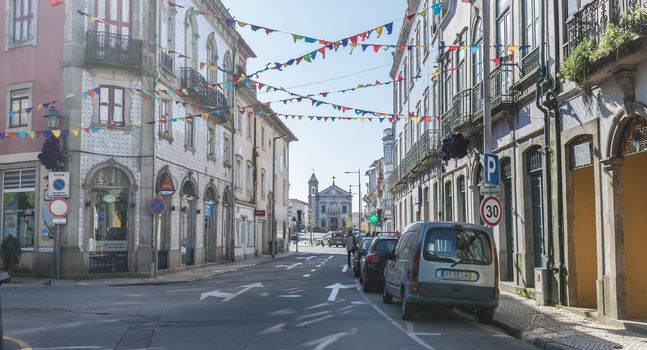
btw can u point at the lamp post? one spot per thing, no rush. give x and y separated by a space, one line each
274 238
359 202
54 119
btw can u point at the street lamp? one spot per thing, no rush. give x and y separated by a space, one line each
274 238
359 185
53 118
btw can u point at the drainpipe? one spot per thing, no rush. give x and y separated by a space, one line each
547 161
554 90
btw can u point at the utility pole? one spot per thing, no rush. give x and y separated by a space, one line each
487 111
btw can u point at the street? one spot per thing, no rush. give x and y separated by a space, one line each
305 301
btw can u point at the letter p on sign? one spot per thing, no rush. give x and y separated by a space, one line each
491 168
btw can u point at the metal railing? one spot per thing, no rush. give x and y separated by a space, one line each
593 18
162 259
115 50
198 87
501 80
462 102
529 62
166 61
249 86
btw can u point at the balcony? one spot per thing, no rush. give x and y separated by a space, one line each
501 92
166 62
248 86
592 21
422 154
459 115
394 179
199 89
529 62
113 50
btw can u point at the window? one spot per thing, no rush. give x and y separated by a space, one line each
22 21
250 231
285 193
461 199
448 201
285 156
477 38
531 23
19 108
170 29
400 83
211 141
460 71
227 150
111 106
165 118
417 137
263 184
323 208
452 245
250 178
576 5
344 209
425 31
239 232
448 89
425 107
19 203
412 67
239 122
502 26
388 154
263 136
418 47
191 36
212 60
189 131
406 79
249 126
239 174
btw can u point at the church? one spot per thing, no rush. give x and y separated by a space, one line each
330 207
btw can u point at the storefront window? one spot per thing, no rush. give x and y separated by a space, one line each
108 239
18 206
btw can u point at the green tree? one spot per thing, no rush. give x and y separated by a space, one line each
11 252
311 221
348 222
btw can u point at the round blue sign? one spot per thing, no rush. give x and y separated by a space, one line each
58 184
157 205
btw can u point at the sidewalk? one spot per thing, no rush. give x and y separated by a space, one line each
550 327
185 275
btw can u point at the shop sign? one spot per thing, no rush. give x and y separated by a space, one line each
111 246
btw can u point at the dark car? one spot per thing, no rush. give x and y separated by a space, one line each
372 264
362 247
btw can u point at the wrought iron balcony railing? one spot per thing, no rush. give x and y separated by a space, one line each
463 104
198 88
593 18
501 80
166 62
393 179
529 62
249 87
114 50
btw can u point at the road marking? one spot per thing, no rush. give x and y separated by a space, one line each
23 345
307 275
334 289
359 302
304 258
313 270
344 268
319 265
288 267
289 296
330 257
229 296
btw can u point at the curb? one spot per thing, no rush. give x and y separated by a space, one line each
199 278
531 338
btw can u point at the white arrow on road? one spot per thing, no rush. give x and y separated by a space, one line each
335 289
344 268
287 267
228 296
304 258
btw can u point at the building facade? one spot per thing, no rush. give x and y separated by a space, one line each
147 97
569 152
294 205
330 207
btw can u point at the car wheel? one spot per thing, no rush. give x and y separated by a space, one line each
386 297
406 310
485 315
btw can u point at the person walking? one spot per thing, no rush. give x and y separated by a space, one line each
350 244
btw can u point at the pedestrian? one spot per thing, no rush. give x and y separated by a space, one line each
350 245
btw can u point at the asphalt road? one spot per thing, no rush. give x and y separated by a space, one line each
286 304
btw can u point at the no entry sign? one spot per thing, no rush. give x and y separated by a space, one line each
491 211
59 207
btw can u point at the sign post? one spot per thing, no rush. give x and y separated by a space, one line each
491 211
59 208
156 206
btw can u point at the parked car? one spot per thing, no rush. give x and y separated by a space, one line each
444 263
373 262
337 238
362 247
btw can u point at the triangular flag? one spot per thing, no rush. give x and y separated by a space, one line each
74 131
323 52
437 8
56 133
268 31
55 2
379 31
296 37
389 28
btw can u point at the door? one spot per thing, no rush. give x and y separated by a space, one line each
536 214
509 232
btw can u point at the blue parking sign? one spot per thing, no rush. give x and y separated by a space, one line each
491 168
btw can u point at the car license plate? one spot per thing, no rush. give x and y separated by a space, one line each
457 275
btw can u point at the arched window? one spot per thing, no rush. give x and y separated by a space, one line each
477 39
191 36
634 137
212 60
228 66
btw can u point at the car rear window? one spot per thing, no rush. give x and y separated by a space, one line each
385 245
366 243
458 245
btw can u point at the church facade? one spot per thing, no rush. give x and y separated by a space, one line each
330 207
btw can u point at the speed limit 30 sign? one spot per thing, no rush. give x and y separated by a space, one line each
491 210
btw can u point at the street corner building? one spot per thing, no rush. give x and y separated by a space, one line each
146 96
571 154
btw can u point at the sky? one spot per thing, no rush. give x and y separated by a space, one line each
328 148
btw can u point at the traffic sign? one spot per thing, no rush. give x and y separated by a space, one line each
59 207
59 184
488 189
491 211
491 168
166 186
157 205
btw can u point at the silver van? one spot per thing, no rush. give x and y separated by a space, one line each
444 263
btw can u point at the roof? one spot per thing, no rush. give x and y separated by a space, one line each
334 191
313 178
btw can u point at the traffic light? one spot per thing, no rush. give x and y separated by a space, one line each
454 146
299 215
51 153
379 217
372 218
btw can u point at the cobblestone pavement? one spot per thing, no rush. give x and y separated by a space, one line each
563 327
